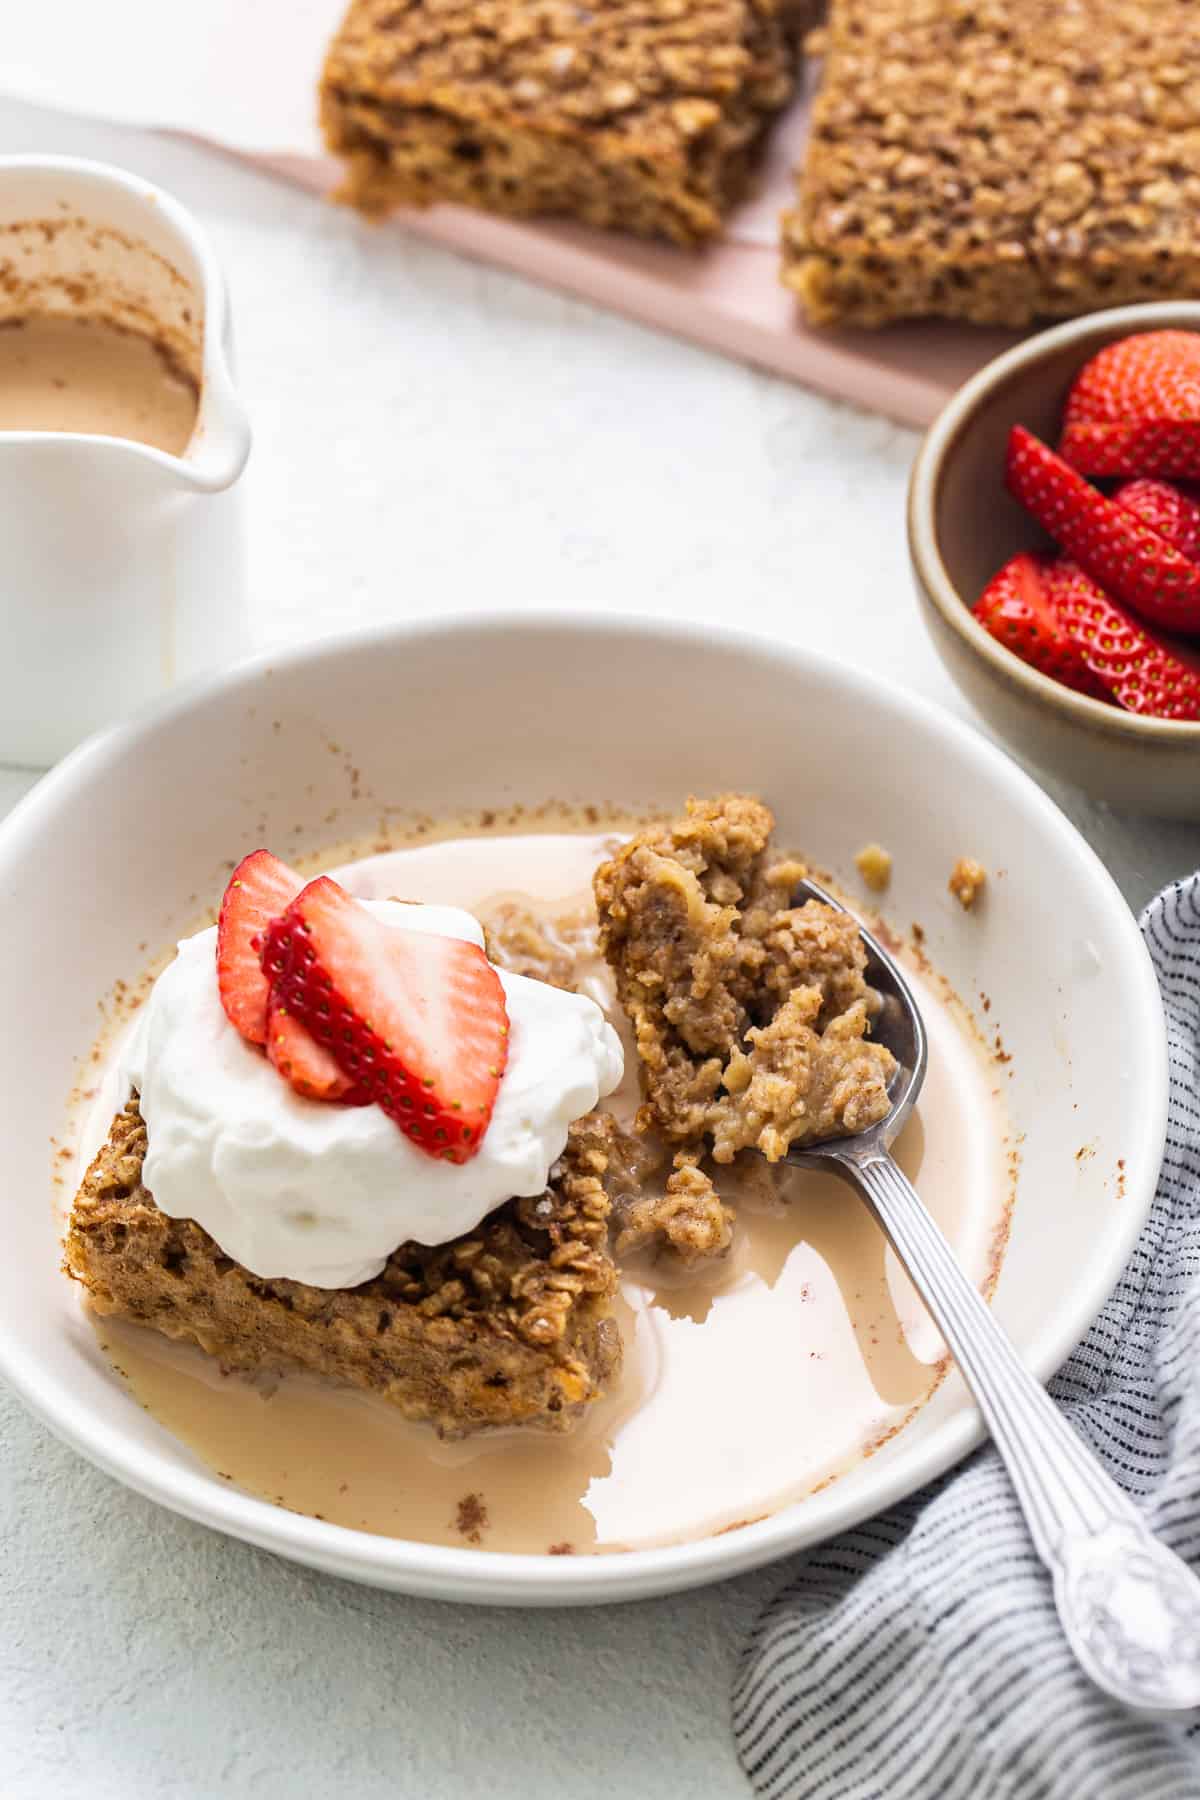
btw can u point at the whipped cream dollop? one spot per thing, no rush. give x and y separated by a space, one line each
323 1193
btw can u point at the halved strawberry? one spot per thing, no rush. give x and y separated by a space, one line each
260 888
1129 560
1016 608
304 1064
1134 409
1146 675
417 1022
1172 511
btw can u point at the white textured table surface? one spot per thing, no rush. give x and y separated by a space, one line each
430 435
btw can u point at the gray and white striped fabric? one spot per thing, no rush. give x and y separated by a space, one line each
919 1657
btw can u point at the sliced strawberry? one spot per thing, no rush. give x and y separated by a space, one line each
1134 409
417 1022
304 1064
260 888
1146 675
1016 608
1129 560
1172 511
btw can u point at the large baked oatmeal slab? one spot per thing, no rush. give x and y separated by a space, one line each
640 115
509 1325
998 162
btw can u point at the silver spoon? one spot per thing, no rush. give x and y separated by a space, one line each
1130 1608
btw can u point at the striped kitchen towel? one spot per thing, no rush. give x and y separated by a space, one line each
919 1657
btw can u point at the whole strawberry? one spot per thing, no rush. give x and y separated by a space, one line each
1145 675
1134 409
1126 557
1016 608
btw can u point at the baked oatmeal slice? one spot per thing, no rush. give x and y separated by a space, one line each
999 162
751 1016
640 115
509 1325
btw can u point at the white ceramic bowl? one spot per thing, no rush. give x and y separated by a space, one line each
121 844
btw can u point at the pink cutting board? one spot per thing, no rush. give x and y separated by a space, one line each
728 298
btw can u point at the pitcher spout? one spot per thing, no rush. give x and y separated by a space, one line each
217 451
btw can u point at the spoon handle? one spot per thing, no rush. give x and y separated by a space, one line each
1130 1608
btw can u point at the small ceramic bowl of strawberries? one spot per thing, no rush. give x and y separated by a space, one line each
1054 528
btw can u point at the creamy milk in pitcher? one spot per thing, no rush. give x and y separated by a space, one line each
121 438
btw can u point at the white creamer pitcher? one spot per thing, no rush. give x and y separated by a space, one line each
121 566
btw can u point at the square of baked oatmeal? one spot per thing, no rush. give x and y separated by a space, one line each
999 162
509 1325
639 115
